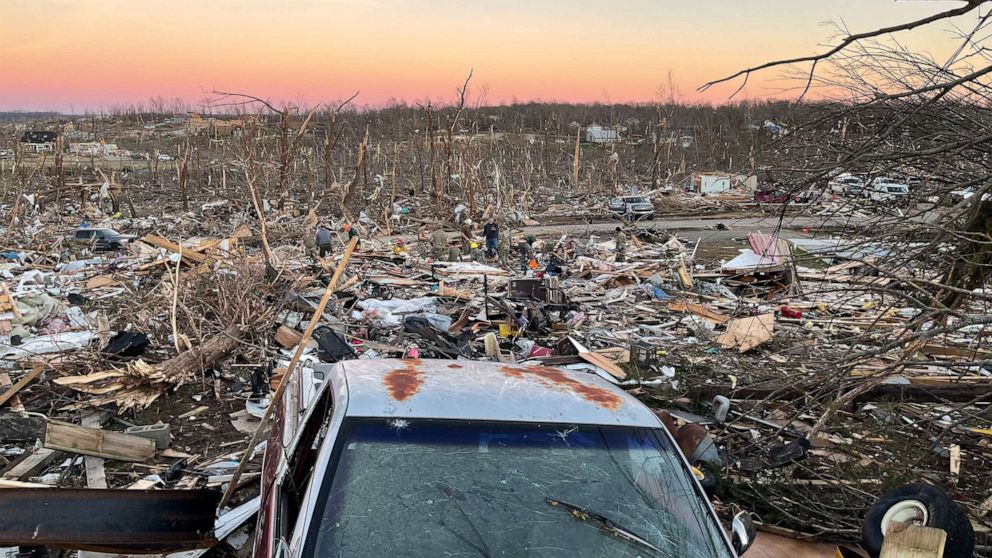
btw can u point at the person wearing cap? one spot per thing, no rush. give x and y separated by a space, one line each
466 232
323 240
352 233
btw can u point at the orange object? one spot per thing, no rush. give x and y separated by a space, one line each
532 264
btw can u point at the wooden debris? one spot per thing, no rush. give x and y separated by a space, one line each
913 541
36 369
698 310
288 337
31 464
747 333
100 281
606 364
161 242
7 301
97 442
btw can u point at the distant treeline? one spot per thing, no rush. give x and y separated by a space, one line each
20 116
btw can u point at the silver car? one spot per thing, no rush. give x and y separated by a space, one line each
640 207
464 458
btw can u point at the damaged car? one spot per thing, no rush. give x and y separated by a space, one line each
412 457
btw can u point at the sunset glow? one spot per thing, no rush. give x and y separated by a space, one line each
83 55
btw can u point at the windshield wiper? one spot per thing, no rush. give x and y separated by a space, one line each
603 523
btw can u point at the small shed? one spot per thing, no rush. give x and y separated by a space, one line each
598 134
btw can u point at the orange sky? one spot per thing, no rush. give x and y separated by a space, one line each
87 54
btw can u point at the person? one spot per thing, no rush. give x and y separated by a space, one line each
440 242
352 233
621 242
491 232
323 240
466 232
525 248
628 213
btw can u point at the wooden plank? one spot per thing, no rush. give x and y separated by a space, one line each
100 281
684 276
913 541
98 443
601 361
87 378
96 476
15 401
31 464
36 369
4 483
698 310
162 242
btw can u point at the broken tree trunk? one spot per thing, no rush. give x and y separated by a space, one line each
197 359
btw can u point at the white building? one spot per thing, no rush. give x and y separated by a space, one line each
92 148
719 182
598 134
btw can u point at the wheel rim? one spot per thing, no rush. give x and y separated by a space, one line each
906 511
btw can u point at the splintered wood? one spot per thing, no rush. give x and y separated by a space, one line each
747 333
913 541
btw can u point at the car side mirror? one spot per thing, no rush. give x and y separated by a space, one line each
743 532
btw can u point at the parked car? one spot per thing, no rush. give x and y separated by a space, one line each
641 207
409 457
776 196
846 185
885 189
101 239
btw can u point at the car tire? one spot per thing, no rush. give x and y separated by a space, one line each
922 504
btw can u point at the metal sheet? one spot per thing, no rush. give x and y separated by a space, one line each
124 521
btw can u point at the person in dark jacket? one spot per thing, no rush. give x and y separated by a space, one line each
491 232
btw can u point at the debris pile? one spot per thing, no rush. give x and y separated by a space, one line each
155 362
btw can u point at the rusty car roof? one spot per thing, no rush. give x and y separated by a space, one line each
476 390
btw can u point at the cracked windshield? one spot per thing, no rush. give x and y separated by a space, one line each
486 489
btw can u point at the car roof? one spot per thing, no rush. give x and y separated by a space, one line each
479 390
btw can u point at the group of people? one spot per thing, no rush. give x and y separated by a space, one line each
324 238
466 240
465 244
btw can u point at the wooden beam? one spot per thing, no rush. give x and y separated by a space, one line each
162 242
36 369
97 442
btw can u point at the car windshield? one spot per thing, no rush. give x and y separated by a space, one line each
897 189
635 200
432 488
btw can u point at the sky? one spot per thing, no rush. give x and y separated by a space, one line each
79 55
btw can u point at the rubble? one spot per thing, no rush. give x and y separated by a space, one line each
189 329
